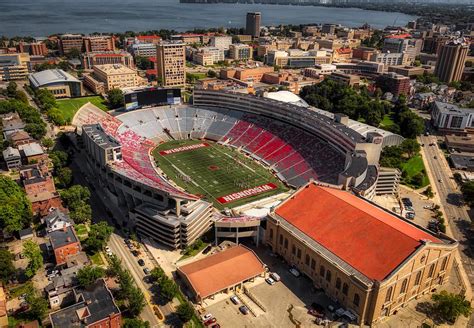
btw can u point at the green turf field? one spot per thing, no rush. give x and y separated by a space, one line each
215 171
70 106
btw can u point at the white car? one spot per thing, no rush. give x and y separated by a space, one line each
235 300
207 316
270 281
295 272
107 248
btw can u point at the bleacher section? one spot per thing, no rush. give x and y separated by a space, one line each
295 155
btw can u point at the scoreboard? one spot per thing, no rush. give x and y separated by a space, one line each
151 97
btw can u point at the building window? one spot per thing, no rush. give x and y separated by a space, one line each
356 299
443 264
338 283
418 278
430 273
306 260
293 250
286 243
322 270
345 289
313 264
403 290
328 275
298 254
271 233
281 239
388 296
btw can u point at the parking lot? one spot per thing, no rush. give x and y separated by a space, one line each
286 302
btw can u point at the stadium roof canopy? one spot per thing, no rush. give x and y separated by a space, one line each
219 271
369 239
51 76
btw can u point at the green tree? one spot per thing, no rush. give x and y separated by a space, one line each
38 306
450 306
417 179
143 63
75 195
211 73
115 98
157 274
82 213
115 266
21 96
411 125
99 235
11 89
32 252
135 323
64 175
125 283
47 142
168 289
15 208
59 158
411 147
56 117
467 190
429 192
73 53
46 99
88 275
7 269
136 301
185 312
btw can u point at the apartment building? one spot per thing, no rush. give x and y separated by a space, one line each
67 42
208 56
240 51
112 76
171 63
253 22
124 58
451 60
221 42
390 59
14 66
403 44
394 83
33 48
99 43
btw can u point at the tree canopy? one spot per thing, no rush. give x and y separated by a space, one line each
32 252
89 274
450 306
7 269
99 235
468 192
35 125
115 98
185 312
38 306
135 323
15 208
76 199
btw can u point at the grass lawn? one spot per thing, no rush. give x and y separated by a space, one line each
23 289
387 122
193 251
96 259
215 171
412 167
70 106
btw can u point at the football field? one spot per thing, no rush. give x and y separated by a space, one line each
217 173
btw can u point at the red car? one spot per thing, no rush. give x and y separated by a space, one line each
210 322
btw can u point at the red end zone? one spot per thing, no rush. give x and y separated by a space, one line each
184 148
246 193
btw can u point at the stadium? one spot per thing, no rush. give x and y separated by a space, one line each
171 166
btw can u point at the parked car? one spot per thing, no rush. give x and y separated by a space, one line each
244 310
146 271
270 281
295 272
141 262
216 326
207 316
275 276
210 321
235 300
207 249
135 253
315 313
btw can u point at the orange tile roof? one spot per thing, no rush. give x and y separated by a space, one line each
216 272
369 239
399 36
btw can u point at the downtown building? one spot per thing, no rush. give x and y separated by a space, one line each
89 60
14 66
369 260
112 76
451 59
171 63
253 22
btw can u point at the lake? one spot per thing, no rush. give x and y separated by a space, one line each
44 17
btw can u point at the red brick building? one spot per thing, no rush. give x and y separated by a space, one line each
394 83
64 244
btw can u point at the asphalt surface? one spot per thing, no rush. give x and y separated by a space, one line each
451 198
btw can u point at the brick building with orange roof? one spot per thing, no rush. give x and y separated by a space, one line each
368 259
217 273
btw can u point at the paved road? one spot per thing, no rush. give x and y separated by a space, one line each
118 247
451 198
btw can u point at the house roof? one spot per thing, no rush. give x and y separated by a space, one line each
60 238
367 238
221 270
31 149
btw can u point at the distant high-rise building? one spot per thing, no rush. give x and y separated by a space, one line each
253 24
328 29
451 59
171 63
67 42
